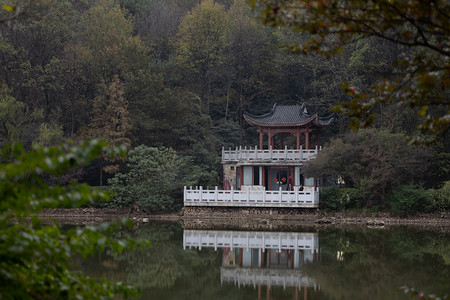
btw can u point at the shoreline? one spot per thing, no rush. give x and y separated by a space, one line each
252 219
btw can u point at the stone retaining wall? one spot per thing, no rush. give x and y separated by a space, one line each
218 213
229 217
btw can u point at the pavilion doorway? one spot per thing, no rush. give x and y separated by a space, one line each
280 177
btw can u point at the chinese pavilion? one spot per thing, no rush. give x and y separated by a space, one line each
270 176
283 120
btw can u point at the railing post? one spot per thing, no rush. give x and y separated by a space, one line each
270 152
256 152
201 194
240 151
184 195
248 195
264 196
215 242
316 150
231 194
301 152
237 153
223 153
248 242
285 152
280 196
216 194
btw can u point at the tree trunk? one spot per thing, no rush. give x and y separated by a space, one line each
101 174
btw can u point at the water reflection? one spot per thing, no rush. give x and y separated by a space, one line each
323 263
261 259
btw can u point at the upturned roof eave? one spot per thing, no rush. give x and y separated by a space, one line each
310 120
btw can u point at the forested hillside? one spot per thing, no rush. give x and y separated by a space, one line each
175 74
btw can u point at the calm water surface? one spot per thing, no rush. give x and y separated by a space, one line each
325 263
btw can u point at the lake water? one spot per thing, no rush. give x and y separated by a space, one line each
306 263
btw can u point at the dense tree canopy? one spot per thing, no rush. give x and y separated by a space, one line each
420 30
184 72
373 161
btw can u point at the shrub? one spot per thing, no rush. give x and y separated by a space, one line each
408 199
151 181
335 199
441 197
36 256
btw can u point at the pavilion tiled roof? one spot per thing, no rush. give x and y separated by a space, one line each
288 116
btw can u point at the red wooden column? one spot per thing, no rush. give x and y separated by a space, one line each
241 255
262 258
293 178
263 174
269 139
307 146
242 176
298 138
261 135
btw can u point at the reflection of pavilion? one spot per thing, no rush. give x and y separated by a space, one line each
260 258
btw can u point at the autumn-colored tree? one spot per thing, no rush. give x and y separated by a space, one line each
110 119
421 27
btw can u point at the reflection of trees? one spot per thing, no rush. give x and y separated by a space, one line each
165 262
376 263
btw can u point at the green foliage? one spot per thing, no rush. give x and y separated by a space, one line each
333 198
35 258
49 134
151 179
15 118
201 37
200 44
373 161
409 199
422 82
188 70
441 197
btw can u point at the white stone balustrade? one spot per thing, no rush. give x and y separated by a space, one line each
253 155
250 240
265 277
250 198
